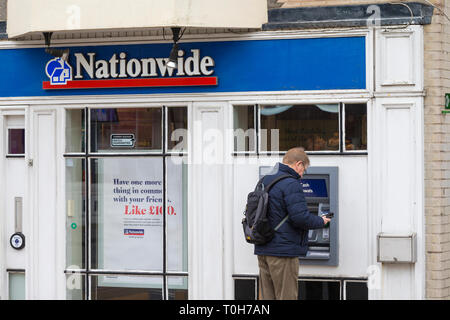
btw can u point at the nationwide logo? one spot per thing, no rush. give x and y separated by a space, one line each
133 232
121 72
58 71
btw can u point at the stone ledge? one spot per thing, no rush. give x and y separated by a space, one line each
347 16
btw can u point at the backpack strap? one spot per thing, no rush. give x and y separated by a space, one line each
281 223
260 184
284 176
270 186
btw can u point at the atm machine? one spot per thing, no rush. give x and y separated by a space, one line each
320 187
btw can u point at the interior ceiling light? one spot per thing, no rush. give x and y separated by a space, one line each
57 53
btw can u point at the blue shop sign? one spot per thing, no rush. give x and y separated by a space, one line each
218 66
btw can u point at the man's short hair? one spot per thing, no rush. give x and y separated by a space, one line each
296 154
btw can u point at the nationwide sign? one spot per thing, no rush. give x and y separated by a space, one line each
242 66
120 72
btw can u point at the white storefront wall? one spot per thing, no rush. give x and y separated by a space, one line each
378 192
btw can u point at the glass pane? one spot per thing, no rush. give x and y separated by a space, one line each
75 286
127 220
319 290
121 287
178 288
177 255
16 141
244 128
75 213
355 127
177 138
75 130
245 289
16 286
314 127
126 130
356 291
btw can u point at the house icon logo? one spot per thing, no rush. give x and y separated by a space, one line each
58 71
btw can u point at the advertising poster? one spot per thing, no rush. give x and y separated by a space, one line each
130 219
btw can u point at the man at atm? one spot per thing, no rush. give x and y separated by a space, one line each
278 259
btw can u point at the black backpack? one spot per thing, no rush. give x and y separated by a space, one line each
257 229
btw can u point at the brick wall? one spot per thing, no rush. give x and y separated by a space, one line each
437 155
436 140
2 10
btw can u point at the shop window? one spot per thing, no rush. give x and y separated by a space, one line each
245 289
355 127
16 285
126 213
356 290
75 286
177 138
319 290
244 128
126 130
75 213
16 142
178 288
124 287
176 217
319 128
75 130
126 204
315 127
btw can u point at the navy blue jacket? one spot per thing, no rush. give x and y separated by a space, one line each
286 198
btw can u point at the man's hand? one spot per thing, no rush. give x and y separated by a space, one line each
325 220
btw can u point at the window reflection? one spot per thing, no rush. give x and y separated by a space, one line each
315 127
177 127
122 287
75 212
356 290
244 128
178 288
319 290
355 127
16 141
75 130
126 129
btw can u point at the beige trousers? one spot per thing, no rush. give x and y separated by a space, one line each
278 278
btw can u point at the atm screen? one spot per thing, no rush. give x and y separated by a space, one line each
315 188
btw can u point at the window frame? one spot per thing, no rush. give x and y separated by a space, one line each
344 108
15 155
341 280
344 286
9 272
88 271
125 152
166 126
256 123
